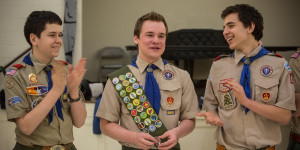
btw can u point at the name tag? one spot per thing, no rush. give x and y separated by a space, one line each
170 112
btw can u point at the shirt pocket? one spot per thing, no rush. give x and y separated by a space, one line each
266 91
170 98
227 100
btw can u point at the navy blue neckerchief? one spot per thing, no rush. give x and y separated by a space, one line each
152 91
245 75
28 61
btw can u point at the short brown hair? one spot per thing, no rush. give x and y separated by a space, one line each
153 16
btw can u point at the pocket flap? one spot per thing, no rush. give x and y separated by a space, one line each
266 83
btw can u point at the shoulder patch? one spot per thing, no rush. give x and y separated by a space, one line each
64 62
18 66
295 55
221 56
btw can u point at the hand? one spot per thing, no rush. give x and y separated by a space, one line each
238 91
75 76
172 137
211 117
59 76
144 140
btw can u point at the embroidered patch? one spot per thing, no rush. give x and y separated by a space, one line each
287 67
266 96
11 72
37 90
14 100
291 78
295 55
170 112
170 100
266 70
168 75
224 87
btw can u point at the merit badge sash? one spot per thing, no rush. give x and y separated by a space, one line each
133 96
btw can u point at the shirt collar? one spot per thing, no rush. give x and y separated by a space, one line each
238 55
39 65
142 64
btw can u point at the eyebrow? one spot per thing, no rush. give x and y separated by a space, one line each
229 23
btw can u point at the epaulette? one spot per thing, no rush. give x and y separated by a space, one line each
18 66
221 56
295 55
64 62
273 54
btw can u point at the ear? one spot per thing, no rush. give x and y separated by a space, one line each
33 39
136 40
251 28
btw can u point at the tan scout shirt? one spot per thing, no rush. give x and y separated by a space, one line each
249 131
180 88
295 66
58 132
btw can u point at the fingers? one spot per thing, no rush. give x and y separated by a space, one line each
201 114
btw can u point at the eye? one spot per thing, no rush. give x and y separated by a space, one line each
61 35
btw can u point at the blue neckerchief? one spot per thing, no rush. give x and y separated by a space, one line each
152 91
245 75
58 106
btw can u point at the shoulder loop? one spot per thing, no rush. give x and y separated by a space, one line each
222 56
273 54
119 72
18 66
64 62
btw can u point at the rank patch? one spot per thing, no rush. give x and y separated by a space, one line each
170 100
266 96
14 100
32 78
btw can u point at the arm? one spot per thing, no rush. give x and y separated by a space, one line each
115 131
271 112
74 79
297 113
28 123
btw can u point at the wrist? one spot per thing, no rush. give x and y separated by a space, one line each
74 97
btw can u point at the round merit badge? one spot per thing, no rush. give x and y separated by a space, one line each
115 80
266 70
168 75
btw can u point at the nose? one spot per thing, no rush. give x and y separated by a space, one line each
225 31
155 39
58 39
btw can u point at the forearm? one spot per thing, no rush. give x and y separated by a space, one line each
185 127
117 132
28 123
78 113
271 112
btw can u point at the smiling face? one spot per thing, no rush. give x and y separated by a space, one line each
152 40
47 46
235 33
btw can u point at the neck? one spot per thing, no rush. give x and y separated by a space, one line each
40 56
248 47
149 60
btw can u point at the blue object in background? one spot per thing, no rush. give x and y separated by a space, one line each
96 120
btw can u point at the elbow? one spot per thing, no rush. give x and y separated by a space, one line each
286 120
26 131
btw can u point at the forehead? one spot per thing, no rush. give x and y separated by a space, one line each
52 28
231 18
153 26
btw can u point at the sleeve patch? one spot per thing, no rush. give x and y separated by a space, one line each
287 67
14 100
11 72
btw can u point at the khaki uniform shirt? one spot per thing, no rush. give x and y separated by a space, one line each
295 66
59 131
249 131
180 88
